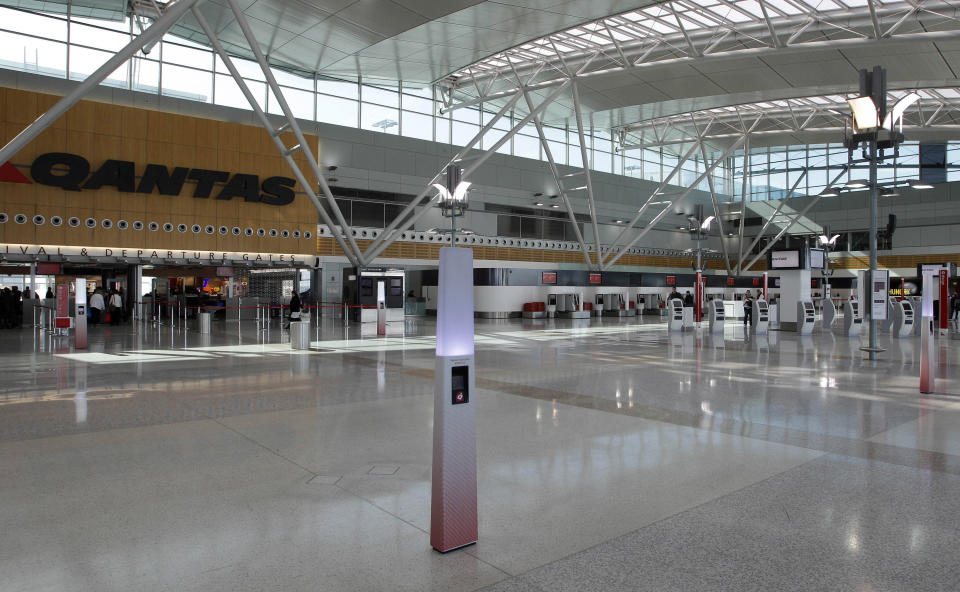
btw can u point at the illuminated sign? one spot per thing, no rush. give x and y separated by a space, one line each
594 278
671 280
731 281
72 173
548 277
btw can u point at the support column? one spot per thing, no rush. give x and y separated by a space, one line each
794 288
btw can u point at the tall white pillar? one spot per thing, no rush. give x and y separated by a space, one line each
453 513
794 288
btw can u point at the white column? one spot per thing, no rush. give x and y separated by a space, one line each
794 288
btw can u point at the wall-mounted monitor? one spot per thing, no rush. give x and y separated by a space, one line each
786 259
817 258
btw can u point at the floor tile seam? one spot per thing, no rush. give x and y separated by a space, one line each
309 472
675 514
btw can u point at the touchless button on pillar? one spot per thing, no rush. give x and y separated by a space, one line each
458 385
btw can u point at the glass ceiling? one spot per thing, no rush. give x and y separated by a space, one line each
691 28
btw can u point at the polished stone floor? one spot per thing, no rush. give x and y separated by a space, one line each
612 456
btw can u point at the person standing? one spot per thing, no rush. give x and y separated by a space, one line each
116 307
49 293
97 306
748 308
294 309
688 300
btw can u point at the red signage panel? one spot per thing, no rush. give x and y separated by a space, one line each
63 300
48 268
548 277
731 281
671 280
595 278
756 282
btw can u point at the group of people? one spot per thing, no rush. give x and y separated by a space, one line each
102 309
11 310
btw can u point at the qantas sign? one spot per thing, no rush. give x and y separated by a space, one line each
72 173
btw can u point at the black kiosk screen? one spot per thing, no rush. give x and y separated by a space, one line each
459 391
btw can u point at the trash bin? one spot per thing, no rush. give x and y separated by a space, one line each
204 322
299 335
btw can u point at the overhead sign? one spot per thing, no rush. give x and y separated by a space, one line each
73 173
731 281
595 278
548 277
671 280
58 253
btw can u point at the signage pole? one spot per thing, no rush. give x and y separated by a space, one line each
944 301
80 316
453 512
926 336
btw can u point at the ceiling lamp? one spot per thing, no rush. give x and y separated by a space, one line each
857 184
919 184
829 192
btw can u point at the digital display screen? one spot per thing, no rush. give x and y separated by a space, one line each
817 258
785 259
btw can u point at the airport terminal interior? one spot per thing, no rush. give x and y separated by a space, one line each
511 296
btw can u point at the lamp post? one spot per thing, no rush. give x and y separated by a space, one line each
699 224
869 117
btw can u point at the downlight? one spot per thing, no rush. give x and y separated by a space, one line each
137 225
56 221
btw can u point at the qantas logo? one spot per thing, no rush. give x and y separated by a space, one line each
11 174
74 173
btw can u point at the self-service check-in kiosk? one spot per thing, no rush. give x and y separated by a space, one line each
886 325
829 314
903 319
715 315
551 305
851 318
761 317
806 317
675 315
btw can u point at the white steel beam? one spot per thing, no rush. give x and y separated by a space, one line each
585 162
793 221
354 254
458 157
707 171
559 180
275 137
716 210
372 252
170 16
769 221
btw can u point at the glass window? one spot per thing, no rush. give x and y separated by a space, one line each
466 115
463 133
441 129
84 62
380 94
187 83
98 37
146 75
526 146
293 80
337 111
379 118
416 125
602 161
338 88
228 94
33 55
418 100
300 102
559 151
247 68
53 28
187 56
492 137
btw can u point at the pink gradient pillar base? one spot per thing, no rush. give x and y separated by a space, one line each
453 509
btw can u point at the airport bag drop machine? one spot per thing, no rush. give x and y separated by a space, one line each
903 319
886 325
675 315
806 317
716 315
852 322
761 317
829 313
